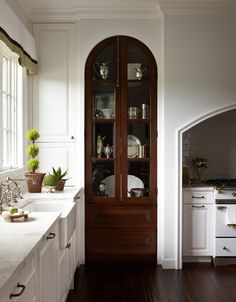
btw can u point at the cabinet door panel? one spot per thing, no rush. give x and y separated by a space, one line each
197 230
121 216
121 243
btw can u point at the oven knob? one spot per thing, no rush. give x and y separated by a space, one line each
234 194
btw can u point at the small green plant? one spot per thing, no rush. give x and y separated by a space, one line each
55 178
33 150
50 180
59 174
199 162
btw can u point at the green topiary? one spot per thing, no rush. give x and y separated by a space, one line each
33 150
33 164
32 135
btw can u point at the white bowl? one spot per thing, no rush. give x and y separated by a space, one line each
107 113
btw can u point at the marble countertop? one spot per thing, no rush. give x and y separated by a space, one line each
19 239
69 193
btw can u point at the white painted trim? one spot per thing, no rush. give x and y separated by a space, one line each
198 8
168 263
12 173
134 10
180 187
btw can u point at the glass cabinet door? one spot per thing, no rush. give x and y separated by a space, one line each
138 108
121 121
103 120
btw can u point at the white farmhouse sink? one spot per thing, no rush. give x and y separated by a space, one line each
67 210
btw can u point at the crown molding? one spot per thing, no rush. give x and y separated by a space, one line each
148 9
220 7
96 13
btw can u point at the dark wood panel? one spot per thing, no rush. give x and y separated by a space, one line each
141 217
109 243
119 227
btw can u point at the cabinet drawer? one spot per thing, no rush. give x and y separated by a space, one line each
108 245
121 216
194 196
225 247
24 284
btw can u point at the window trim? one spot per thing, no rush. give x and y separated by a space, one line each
19 117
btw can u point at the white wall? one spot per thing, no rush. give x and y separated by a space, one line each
200 76
196 76
91 32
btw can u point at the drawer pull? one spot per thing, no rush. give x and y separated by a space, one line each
198 197
225 248
21 291
221 208
51 236
68 245
198 207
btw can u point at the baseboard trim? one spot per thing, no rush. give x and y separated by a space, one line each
197 259
168 263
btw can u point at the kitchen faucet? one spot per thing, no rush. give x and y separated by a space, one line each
12 193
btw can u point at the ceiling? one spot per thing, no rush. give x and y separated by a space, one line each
64 10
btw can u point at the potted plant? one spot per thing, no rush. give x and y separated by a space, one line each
34 179
56 179
198 163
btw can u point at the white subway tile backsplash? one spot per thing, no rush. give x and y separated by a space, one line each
214 139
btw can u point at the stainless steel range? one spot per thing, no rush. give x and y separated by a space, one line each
225 221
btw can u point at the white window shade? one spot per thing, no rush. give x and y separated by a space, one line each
14 34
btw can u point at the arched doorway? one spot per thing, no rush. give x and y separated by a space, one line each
121 152
209 150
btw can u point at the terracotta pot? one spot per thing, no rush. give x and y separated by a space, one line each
60 185
34 181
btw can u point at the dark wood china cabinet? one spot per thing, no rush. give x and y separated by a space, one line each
121 152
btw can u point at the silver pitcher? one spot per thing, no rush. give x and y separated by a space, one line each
101 69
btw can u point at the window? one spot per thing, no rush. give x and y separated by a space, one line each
11 122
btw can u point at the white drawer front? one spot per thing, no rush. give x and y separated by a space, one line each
198 197
225 247
221 229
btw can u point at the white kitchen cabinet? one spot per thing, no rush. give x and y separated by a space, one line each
48 257
198 223
62 275
24 286
66 269
71 261
54 95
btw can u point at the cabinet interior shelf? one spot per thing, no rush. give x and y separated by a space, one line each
104 120
139 120
101 81
103 159
138 158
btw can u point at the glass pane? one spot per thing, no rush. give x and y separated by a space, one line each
138 65
138 142
138 100
5 73
104 67
138 179
104 101
103 178
104 140
5 141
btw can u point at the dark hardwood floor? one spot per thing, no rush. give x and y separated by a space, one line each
150 283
